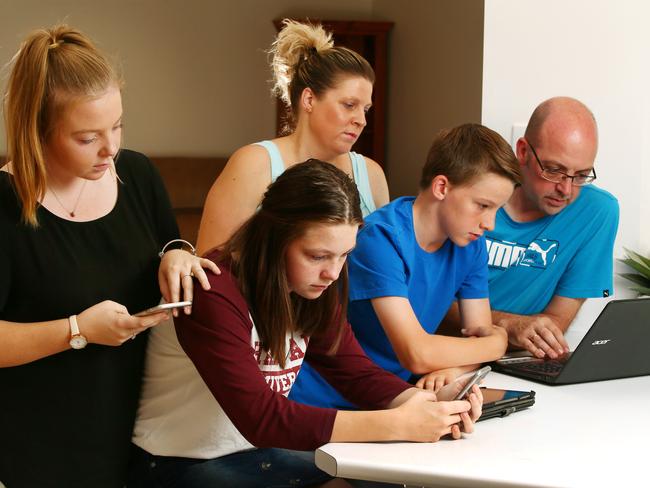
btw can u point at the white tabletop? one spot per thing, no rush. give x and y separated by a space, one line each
590 434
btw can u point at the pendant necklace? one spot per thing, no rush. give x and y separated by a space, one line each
74 209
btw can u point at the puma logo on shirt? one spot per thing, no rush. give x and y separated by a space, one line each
540 253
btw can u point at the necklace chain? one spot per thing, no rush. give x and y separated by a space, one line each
74 209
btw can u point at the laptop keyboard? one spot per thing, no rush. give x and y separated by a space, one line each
550 367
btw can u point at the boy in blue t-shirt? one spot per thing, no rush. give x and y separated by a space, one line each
416 255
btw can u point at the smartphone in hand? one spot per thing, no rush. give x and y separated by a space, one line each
162 307
476 378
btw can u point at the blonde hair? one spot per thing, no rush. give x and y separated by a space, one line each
304 56
51 67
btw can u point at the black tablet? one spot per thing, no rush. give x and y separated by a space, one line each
500 403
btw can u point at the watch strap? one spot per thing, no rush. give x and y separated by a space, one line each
74 326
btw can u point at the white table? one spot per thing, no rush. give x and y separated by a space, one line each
585 435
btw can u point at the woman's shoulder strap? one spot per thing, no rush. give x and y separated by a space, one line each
277 163
360 172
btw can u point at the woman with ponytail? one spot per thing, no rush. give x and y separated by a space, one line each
81 224
328 90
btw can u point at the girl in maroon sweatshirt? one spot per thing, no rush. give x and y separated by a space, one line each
217 386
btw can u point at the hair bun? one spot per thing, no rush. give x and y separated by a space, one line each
295 42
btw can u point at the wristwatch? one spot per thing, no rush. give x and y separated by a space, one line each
77 341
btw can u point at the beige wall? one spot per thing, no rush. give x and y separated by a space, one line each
196 70
436 66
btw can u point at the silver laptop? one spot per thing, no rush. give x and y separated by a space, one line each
616 346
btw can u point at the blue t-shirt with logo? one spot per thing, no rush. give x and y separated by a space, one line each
388 261
567 254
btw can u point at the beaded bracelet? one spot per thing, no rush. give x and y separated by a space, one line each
183 241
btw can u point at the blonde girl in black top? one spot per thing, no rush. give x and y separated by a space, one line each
81 224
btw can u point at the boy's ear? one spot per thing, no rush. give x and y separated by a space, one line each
440 187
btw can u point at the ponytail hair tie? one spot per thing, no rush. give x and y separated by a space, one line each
55 44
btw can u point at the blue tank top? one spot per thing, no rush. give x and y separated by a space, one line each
359 172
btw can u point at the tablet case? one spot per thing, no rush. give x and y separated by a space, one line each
503 408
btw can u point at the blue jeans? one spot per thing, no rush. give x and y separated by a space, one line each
257 468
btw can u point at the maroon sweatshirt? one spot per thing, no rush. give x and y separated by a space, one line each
221 340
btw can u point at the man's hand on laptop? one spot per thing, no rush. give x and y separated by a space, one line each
539 334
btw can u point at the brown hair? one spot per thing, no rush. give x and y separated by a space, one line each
304 56
309 193
467 151
51 67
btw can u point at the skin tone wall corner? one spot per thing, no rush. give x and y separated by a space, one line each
436 63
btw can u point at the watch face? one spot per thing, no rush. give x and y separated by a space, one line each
78 342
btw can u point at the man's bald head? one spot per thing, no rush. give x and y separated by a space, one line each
561 136
563 118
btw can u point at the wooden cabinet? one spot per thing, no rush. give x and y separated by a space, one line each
370 39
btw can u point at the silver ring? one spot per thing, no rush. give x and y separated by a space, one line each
133 336
188 275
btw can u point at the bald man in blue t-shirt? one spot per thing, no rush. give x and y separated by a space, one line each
553 241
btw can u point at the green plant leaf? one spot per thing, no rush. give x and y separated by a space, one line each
641 290
636 278
645 271
637 257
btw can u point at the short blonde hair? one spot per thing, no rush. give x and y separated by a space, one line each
51 67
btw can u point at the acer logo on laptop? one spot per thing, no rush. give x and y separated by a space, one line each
601 342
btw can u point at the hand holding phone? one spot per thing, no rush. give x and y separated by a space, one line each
476 378
162 307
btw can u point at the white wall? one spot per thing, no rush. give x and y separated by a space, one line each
596 51
593 50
